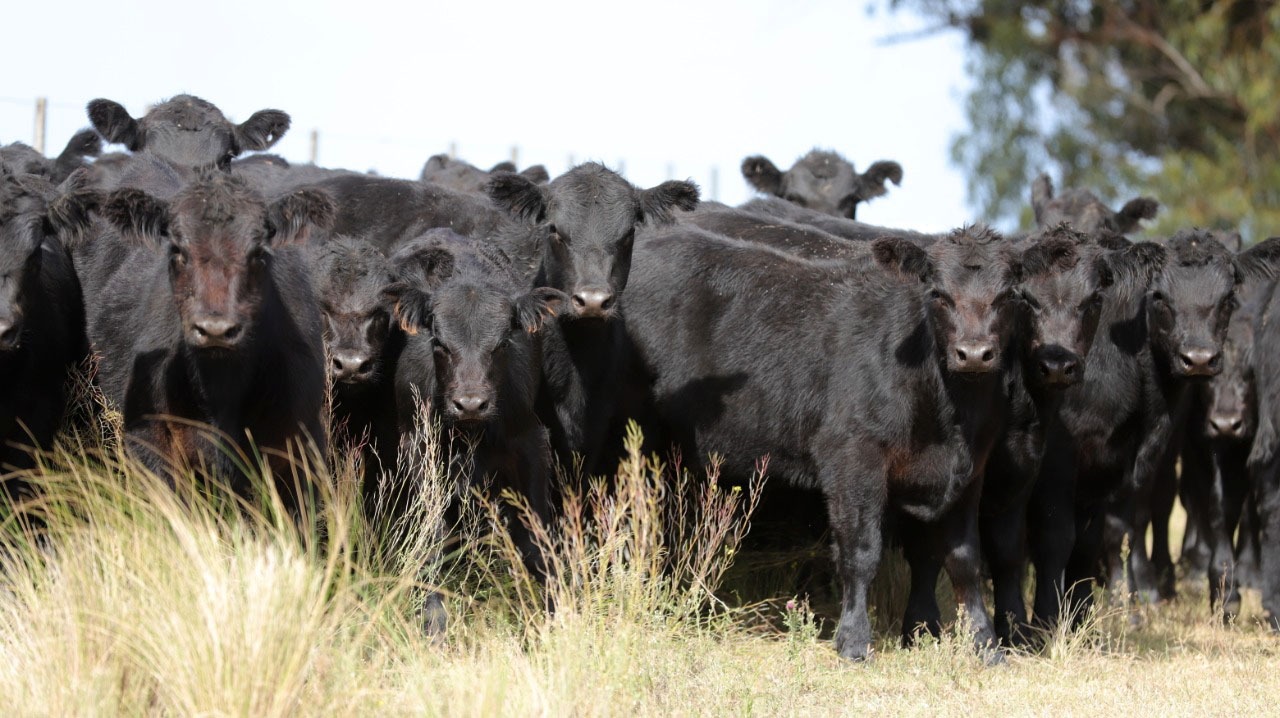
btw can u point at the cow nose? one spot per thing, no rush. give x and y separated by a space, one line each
349 365
1225 424
592 302
977 356
212 332
1061 370
470 406
10 332
1200 362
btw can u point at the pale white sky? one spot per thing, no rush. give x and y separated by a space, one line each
660 85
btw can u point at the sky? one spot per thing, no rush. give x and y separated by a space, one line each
659 89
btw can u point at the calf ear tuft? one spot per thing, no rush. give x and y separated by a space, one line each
410 306
1261 261
137 214
518 195
262 130
657 203
538 306
871 183
503 166
1134 211
762 174
115 124
904 257
293 217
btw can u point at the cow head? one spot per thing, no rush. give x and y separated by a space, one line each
220 236
1083 210
479 322
1063 278
188 131
23 227
588 219
970 281
1232 395
1192 296
822 181
350 276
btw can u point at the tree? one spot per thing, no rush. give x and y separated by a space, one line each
1178 99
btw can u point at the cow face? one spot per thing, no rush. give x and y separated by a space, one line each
188 131
970 301
822 181
1084 212
587 218
22 230
1063 280
1232 394
350 277
479 330
1193 295
219 235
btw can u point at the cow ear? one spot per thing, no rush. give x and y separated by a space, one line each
262 130
410 306
429 266
536 174
503 166
1041 195
137 214
871 182
70 215
85 143
1261 261
518 195
293 217
762 174
1048 254
1230 239
1134 211
115 124
657 203
538 306
1140 261
434 163
901 255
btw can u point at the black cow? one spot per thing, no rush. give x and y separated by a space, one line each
41 318
1163 326
201 310
472 356
854 376
1082 209
362 345
1264 456
1215 451
466 177
20 158
187 131
1064 277
821 180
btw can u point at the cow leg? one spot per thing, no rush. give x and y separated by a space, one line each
1231 482
963 561
1162 498
1268 499
1086 562
1248 551
920 547
856 495
1003 544
1051 537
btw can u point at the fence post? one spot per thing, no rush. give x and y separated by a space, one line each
315 145
453 149
42 111
515 156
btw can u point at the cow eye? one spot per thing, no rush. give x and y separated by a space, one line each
177 255
941 297
1159 297
1230 303
1092 301
439 348
258 256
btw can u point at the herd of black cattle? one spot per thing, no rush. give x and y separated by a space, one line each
1001 399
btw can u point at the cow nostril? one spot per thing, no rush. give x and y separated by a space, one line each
1237 424
365 367
232 332
988 355
961 355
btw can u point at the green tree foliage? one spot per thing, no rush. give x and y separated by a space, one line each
1178 99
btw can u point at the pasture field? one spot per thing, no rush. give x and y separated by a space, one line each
147 599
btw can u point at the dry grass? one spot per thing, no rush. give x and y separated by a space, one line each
143 599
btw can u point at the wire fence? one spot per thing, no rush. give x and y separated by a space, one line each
47 125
